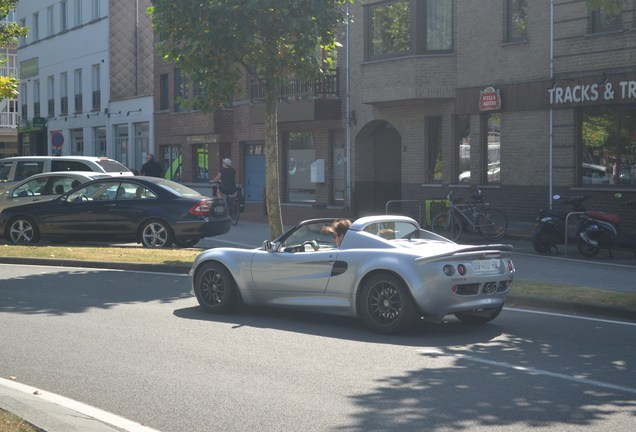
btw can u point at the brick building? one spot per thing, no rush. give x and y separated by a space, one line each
522 98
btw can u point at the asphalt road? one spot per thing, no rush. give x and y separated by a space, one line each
137 345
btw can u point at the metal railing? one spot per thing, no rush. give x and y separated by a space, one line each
295 89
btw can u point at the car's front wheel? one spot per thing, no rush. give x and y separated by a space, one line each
156 234
22 230
386 305
479 317
214 288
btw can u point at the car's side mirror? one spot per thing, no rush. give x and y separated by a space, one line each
267 246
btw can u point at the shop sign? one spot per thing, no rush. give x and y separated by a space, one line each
623 91
39 122
29 68
489 99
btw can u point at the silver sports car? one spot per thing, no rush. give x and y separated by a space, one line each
387 271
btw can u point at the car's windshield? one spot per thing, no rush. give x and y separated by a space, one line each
311 232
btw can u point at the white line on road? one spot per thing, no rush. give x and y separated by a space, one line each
529 370
560 315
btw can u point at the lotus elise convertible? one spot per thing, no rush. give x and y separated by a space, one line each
387 271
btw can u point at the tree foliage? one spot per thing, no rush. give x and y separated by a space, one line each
213 42
612 7
9 33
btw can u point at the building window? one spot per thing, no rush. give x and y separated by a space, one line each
180 89
77 12
493 146
77 141
409 26
516 20
201 162
121 143
301 152
164 85
142 139
99 138
64 93
78 90
50 91
23 101
462 155
389 28
36 26
36 98
96 86
50 23
95 9
602 20
171 162
608 136
63 16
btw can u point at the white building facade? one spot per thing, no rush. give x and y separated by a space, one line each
8 107
86 79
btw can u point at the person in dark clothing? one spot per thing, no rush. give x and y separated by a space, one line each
151 168
226 178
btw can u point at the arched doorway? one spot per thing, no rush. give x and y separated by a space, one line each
378 167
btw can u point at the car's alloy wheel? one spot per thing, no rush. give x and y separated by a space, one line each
385 305
156 234
22 231
479 317
214 288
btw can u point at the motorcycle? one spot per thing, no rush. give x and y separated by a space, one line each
600 230
550 228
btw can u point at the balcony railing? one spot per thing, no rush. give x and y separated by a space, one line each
294 89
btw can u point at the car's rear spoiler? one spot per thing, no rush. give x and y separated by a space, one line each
469 250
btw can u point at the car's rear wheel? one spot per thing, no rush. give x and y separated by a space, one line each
215 288
156 234
479 317
22 230
385 304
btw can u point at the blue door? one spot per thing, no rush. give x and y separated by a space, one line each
254 177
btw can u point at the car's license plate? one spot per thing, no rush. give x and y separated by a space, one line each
485 265
219 209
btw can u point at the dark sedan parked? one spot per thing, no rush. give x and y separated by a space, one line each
152 211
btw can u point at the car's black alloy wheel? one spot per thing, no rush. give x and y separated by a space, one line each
386 306
215 288
22 230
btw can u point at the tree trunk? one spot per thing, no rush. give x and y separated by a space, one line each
272 181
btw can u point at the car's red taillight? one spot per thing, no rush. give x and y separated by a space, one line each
461 269
200 209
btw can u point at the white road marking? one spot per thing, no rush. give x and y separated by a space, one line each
578 317
96 413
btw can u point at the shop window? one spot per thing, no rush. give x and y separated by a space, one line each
492 151
406 27
462 155
171 161
434 144
516 20
201 162
608 155
301 152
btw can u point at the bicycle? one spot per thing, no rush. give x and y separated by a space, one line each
231 201
488 221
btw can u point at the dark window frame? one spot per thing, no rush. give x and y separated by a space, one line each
516 12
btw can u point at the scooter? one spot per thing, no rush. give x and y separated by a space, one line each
600 230
550 228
